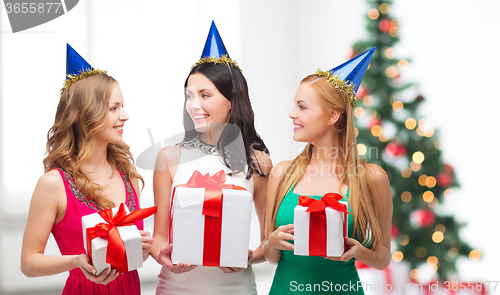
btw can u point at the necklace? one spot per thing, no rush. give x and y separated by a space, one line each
197 143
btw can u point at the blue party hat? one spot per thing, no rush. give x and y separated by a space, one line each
77 68
214 47
214 50
348 75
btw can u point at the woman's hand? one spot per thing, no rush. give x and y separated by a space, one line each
237 269
90 272
165 260
278 239
353 249
147 241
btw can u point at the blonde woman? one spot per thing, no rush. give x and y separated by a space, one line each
88 167
323 117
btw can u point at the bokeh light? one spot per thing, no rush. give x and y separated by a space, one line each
397 106
390 53
437 237
403 64
368 100
418 157
410 123
373 13
406 172
428 196
406 196
397 256
359 112
361 149
376 130
475 254
384 8
415 166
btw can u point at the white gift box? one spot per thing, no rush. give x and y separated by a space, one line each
335 222
129 234
188 226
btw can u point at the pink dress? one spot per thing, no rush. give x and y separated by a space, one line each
69 237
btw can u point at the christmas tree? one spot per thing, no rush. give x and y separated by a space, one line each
392 134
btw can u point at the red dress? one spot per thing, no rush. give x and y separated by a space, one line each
69 237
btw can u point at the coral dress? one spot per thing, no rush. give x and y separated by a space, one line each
198 155
69 237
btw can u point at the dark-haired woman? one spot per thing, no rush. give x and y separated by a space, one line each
219 135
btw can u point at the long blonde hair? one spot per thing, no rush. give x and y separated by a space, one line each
360 194
82 112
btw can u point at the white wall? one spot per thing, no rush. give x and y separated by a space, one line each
149 46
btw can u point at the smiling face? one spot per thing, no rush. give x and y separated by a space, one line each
113 130
204 103
310 120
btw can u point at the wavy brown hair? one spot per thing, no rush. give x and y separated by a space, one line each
82 112
355 172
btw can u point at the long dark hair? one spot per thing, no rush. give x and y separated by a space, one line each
231 83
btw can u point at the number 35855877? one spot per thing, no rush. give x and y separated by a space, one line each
32 7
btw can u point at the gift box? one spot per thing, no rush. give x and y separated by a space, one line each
320 226
210 222
112 240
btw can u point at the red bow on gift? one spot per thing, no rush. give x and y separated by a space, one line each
212 204
328 200
317 221
212 209
116 255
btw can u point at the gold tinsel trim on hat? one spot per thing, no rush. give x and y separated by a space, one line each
222 60
83 74
340 83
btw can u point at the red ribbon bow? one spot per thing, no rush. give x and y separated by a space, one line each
317 221
212 204
328 200
116 254
212 209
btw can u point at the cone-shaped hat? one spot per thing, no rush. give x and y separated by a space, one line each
348 75
75 63
77 68
214 47
214 50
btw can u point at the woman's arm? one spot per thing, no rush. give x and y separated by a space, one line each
49 196
162 186
378 258
48 205
264 163
276 240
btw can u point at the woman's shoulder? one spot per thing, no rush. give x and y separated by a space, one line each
280 169
51 179
168 155
375 173
50 184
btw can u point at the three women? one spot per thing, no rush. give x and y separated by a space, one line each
86 150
